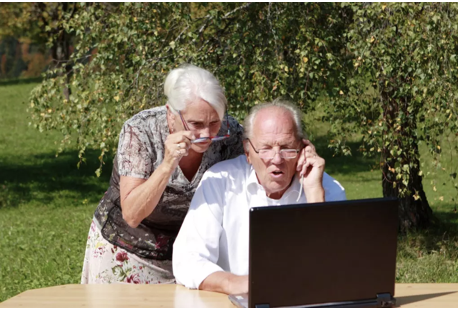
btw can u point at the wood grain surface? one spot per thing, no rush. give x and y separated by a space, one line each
176 296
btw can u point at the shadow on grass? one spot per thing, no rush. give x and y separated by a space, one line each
20 81
440 237
343 164
41 178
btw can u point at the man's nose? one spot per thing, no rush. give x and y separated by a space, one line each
278 159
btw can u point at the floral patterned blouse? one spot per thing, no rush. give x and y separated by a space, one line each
140 152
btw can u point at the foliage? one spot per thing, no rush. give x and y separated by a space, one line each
36 23
259 51
402 91
30 20
388 71
408 54
19 19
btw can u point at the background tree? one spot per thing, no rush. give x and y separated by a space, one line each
389 72
16 26
259 51
41 23
402 91
18 19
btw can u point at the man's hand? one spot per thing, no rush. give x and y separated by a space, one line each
310 167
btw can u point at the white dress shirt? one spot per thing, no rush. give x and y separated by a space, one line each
214 235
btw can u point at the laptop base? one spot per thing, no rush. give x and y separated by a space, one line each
382 301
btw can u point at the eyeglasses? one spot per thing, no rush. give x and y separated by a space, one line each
205 139
270 153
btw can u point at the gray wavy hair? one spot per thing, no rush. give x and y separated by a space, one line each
283 104
188 83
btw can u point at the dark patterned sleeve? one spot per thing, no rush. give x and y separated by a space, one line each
135 155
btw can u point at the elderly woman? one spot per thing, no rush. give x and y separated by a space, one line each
162 155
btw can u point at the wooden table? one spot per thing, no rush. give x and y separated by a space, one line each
170 296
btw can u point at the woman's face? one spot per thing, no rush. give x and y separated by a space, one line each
202 120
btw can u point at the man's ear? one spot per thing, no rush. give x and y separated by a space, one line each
247 154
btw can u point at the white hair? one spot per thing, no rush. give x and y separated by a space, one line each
188 83
296 114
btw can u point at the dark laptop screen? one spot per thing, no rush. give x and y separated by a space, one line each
320 253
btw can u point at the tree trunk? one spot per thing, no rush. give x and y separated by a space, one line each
61 52
412 213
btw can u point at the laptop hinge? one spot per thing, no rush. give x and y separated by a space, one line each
385 300
262 306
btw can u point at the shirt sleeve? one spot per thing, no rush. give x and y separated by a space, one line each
196 249
333 190
135 155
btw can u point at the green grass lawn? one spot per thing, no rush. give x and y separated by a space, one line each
46 205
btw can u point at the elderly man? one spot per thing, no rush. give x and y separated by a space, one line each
211 250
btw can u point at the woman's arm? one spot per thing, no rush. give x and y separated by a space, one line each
139 197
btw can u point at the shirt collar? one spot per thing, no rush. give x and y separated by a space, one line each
290 196
252 181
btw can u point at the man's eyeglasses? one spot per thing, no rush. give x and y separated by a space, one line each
270 153
205 139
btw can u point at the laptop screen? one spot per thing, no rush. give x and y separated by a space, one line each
320 253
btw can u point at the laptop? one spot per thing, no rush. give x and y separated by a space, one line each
331 254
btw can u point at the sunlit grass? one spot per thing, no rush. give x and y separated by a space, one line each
46 204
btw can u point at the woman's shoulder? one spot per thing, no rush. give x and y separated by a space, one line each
235 130
148 117
234 123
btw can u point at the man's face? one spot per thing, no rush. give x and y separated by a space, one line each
273 128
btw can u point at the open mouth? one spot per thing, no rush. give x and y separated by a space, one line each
277 173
